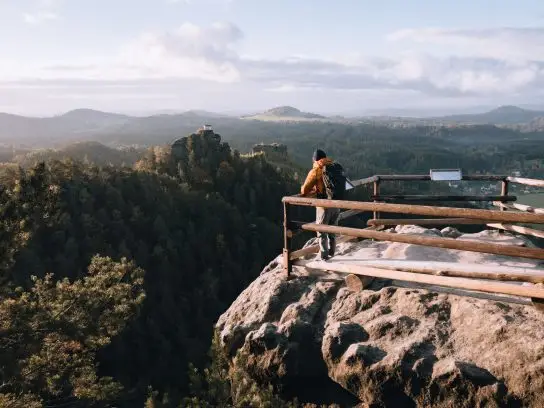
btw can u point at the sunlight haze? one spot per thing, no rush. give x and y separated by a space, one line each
243 56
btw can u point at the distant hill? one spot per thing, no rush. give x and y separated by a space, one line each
204 114
286 113
289 111
73 125
503 115
514 117
93 115
91 152
111 129
87 124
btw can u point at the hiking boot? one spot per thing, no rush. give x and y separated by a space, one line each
323 257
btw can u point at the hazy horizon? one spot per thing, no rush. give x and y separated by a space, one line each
239 56
393 112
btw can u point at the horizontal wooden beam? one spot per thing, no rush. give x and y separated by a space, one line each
494 272
492 215
368 180
443 198
426 221
451 282
494 297
521 207
438 242
526 181
521 230
427 177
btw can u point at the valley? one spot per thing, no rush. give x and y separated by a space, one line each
94 193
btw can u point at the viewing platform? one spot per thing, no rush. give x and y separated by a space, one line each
507 215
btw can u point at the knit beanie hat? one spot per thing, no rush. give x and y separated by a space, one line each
319 154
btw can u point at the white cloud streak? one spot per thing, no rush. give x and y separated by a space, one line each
39 17
46 10
479 63
501 43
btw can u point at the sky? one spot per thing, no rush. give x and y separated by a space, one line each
333 57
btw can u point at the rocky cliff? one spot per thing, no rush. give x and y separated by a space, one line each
390 345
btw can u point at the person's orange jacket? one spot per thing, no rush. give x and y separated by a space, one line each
314 181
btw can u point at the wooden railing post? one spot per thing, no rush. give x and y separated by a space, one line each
376 193
287 236
504 190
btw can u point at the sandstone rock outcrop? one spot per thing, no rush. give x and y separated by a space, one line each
391 346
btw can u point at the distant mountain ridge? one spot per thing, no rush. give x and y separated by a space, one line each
503 115
289 111
85 124
92 152
514 117
117 129
89 119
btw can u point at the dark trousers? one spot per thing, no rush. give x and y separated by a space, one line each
327 242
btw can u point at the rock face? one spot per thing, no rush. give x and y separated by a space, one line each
390 346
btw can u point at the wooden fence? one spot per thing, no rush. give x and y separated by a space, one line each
503 218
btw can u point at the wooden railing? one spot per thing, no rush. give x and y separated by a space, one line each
503 218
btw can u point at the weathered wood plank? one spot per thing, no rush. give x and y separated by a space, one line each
495 297
504 191
368 180
501 273
356 283
516 228
520 207
452 282
287 240
376 193
443 197
438 242
424 177
526 181
492 215
426 221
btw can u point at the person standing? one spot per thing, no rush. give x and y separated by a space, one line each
326 180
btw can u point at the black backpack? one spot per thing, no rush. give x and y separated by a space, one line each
335 181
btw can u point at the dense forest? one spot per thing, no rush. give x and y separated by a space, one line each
116 262
77 241
364 149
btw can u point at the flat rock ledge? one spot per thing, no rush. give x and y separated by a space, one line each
388 346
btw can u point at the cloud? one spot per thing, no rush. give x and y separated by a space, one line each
210 54
46 10
450 76
191 2
189 51
50 3
525 43
39 17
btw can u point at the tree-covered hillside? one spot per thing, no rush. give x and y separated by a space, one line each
153 254
88 152
364 145
201 229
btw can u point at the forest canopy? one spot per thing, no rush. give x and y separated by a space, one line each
76 242
115 264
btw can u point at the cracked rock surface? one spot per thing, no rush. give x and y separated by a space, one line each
389 346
